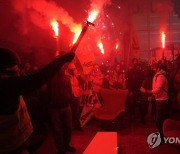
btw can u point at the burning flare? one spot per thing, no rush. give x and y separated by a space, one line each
93 15
100 45
117 46
163 39
55 27
76 30
76 35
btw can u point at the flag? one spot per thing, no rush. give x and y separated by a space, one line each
114 102
86 60
134 42
89 101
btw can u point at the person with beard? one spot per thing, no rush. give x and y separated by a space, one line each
15 123
160 92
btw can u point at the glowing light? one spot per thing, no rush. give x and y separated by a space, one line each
163 39
93 15
104 26
117 46
55 27
76 35
77 31
100 45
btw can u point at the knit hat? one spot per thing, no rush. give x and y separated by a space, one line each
8 58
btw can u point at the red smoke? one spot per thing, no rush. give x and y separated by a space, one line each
164 8
41 12
99 4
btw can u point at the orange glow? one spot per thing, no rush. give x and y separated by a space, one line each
55 27
93 15
100 45
76 35
77 30
163 39
117 46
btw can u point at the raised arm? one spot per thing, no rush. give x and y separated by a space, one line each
23 84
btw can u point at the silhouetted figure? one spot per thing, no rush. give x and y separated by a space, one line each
134 77
15 123
60 97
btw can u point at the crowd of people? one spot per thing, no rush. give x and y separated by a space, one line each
156 84
54 94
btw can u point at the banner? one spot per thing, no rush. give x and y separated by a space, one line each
113 103
86 57
86 62
89 101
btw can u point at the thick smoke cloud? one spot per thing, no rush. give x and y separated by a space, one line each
99 4
164 8
41 12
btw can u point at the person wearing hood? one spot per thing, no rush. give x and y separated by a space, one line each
15 123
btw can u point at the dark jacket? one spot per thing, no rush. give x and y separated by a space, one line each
12 87
59 91
134 79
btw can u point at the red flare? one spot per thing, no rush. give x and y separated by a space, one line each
55 27
93 15
163 39
117 46
100 45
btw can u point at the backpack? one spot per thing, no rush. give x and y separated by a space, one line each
170 85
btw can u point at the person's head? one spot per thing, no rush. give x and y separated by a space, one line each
118 67
107 63
122 63
35 69
96 68
27 66
71 69
135 61
9 62
177 59
164 61
158 66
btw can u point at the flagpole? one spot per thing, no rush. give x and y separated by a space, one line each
57 45
73 49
